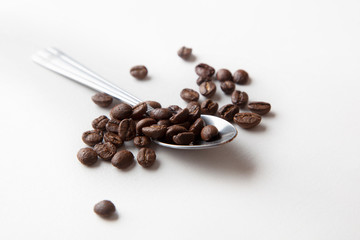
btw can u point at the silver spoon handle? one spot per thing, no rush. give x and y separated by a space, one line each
59 62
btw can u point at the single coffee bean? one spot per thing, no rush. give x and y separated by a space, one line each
154 131
247 120
87 156
240 77
153 104
122 159
207 89
104 208
105 150
92 137
139 72
201 80
228 112
179 117
189 95
102 99
260 108
139 110
113 138
227 87
165 123
112 125
204 70
209 133
194 111
174 108
144 123
160 113
146 157
186 124
209 107
127 129
121 111
172 131
142 141
197 126
184 138
184 52
99 123
224 75
239 98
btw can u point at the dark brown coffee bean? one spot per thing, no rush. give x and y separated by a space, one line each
174 108
146 157
165 123
102 99
241 77
144 123
154 131
87 156
139 110
92 137
194 111
172 131
209 107
139 72
197 126
184 52
112 125
104 208
204 70
201 80
113 138
260 108
224 75
189 95
207 89
160 113
228 112
122 159
121 111
179 117
239 98
227 87
184 138
247 120
209 133
186 124
105 150
127 129
153 104
142 141
99 123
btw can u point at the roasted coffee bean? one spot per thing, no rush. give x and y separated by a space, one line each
209 107
139 72
260 108
201 80
174 108
105 150
139 110
113 138
92 137
154 131
204 70
197 126
224 75
104 208
121 111
146 157
172 131
127 129
207 89
228 112
241 77
122 159
153 104
87 156
184 138
160 113
186 124
247 120
179 117
99 123
184 52
227 87
102 99
142 141
112 125
189 95
144 123
239 98
209 133
194 111
165 122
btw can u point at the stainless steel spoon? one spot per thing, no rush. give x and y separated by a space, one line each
57 61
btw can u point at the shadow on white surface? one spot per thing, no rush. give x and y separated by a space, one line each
114 217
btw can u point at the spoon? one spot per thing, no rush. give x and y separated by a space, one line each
57 61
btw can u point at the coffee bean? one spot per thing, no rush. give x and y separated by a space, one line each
180 116
189 95
174 108
209 133
112 125
227 87
104 208
228 111
113 138
247 120
144 123
194 111
105 150
260 108
197 126
184 52
172 131
99 123
241 77
142 141
146 157
224 75
121 111
186 124
153 104
207 89
201 80
122 159
87 156
139 72
102 99
204 70
139 110
165 122
154 131
127 129
209 107
160 113
184 138
239 98
92 137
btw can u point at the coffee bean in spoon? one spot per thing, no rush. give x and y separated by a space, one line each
153 104
184 138
139 71
145 122
154 131
209 132
139 111
102 99
160 113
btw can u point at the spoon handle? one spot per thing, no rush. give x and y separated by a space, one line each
57 61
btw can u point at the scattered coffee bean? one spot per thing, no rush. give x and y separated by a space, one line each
260 108
209 107
180 116
164 122
184 138
92 137
184 52
144 123
241 77
228 112
194 111
227 87
121 111
207 89
99 123
113 138
127 129
102 99
160 113
122 159
153 104
139 110
239 98
87 156
104 208
105 150
146 157
224 75
209 133
247 120
154 131
204 70
172 131
142 141
112 125
201 80
189 95
197 126
139 72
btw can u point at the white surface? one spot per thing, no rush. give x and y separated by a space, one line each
294 177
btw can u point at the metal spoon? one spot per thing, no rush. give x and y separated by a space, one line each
57 61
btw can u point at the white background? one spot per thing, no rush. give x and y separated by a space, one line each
296 176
